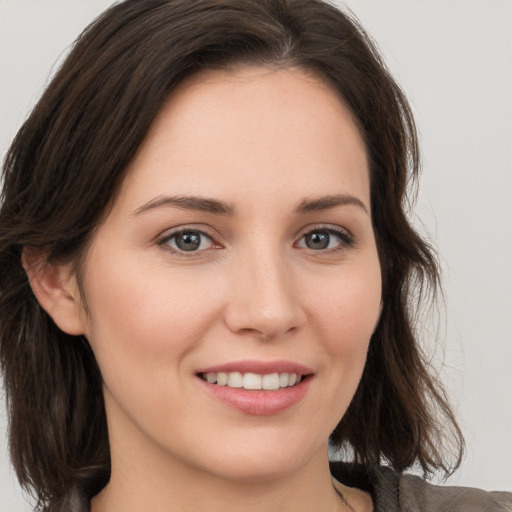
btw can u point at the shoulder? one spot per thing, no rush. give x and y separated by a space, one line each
417 494
398 492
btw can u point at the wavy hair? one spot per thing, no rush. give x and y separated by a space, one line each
66 165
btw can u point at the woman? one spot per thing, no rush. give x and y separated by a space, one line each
207 272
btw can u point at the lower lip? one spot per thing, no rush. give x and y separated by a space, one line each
259 402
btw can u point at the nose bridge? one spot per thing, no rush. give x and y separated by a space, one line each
264 299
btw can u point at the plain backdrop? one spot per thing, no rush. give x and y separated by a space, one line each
454 60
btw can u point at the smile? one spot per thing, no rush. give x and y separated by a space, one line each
252 381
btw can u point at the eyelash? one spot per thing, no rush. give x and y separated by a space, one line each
346 240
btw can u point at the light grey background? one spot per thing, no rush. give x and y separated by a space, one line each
454 60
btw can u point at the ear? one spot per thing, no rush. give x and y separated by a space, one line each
56 289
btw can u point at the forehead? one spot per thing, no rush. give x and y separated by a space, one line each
253 129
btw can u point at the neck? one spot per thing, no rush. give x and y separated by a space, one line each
136 486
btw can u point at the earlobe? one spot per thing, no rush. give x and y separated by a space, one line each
56 290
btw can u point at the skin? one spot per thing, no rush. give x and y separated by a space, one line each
262 141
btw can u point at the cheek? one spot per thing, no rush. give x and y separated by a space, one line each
348 309
142 314
344 311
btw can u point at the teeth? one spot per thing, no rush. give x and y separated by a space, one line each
269 382
235 380
222 378
252 381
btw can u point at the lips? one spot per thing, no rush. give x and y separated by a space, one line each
255 387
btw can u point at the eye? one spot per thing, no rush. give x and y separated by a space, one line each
188 240
325 239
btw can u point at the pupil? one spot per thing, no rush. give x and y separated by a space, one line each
188 241
317 240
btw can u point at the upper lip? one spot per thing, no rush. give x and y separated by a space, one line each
259 367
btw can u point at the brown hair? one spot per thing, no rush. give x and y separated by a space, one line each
67 162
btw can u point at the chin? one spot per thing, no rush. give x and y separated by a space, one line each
259 461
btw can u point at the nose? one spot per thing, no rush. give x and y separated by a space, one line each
264 299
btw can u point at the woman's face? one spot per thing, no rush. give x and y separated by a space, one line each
239 249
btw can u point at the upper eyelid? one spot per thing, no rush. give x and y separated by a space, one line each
323 227
170 232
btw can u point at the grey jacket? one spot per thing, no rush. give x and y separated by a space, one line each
398 492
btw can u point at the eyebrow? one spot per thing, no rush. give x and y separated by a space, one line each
328 202
196 203
218 207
